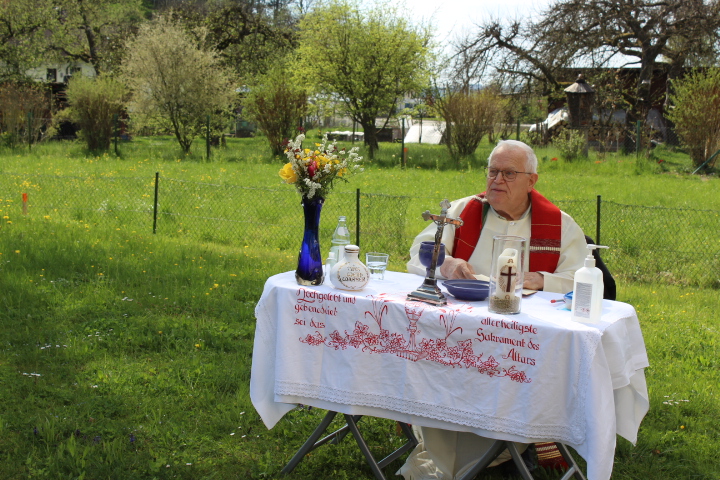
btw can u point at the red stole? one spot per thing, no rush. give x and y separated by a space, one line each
545 231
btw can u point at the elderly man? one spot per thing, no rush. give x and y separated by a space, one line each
557 248
510 206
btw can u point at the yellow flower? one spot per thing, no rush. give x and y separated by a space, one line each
288 174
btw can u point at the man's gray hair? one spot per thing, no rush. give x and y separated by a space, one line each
531 161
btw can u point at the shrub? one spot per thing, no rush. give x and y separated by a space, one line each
23 113
572 145
696 113
277 104
93 104
469 115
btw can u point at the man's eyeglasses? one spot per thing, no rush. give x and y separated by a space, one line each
508 175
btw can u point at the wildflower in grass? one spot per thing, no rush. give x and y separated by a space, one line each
554 159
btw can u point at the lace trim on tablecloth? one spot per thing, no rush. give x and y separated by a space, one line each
574 434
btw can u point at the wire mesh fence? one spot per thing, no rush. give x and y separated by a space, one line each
646 243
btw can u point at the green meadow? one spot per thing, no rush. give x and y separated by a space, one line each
127 354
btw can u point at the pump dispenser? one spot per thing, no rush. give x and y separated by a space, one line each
588 290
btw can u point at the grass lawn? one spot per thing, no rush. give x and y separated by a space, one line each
127 355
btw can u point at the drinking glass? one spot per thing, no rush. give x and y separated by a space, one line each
377 263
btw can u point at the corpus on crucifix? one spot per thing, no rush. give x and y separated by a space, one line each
429 292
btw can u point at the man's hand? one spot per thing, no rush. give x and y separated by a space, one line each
534 281
453 268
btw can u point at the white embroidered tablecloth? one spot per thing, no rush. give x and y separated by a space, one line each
528 377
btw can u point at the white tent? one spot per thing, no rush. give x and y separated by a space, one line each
430 132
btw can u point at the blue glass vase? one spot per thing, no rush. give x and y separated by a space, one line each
310 263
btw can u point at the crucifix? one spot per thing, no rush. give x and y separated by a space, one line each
429 292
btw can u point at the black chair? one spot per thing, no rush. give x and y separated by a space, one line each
610 292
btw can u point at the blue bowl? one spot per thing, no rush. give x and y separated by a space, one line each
472 290
568 300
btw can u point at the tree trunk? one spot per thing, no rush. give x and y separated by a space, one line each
370 131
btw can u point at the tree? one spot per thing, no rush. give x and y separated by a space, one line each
22 30
696 113
277 104
93 104
249 36
173 81
469 115
369 57
591 33
93 31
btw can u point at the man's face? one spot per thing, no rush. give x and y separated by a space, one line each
510 197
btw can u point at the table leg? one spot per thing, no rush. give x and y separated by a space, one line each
519 462
409 445
574 469
485 460
498 446
309 443
351 426
341 433
364 448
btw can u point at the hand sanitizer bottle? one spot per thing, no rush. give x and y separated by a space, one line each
588 290
340 238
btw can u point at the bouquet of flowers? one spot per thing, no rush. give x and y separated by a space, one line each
313 171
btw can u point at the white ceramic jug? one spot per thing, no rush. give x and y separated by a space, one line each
349 273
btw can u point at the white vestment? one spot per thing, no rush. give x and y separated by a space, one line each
444 454
573 248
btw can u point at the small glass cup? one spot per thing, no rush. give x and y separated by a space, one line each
377 263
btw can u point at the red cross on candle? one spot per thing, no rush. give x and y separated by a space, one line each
509 276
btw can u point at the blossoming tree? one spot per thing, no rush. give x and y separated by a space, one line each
370 57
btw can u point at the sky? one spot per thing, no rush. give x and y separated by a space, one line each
455 17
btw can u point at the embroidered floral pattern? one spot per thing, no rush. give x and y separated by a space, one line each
440 350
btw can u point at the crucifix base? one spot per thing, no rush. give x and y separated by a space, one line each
428 292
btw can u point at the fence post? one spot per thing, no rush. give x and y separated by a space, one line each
155 203
357 217
29 129
402 143
597 221
207 138
517 132
115 132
